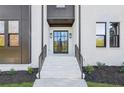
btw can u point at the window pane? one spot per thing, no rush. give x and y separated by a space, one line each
60 6
14 40
100 41
100 28
2 40
114 28
1 26
13 26
114 41
114 34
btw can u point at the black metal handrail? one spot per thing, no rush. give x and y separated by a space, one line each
42 57
79 58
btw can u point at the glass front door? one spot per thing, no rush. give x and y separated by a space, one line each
60 41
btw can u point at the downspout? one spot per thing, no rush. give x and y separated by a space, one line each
42 30
80 58
79 28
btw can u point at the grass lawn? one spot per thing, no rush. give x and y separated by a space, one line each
24 84
94 84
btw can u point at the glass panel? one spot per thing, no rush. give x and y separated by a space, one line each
114 41
60 6
114 28
2 40
100 28
14 40
55 33
114 34
1 26
59 34
62 33
100 41
13 27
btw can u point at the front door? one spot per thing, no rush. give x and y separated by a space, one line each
60 41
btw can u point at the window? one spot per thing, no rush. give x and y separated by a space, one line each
10 35
60 6
13 33
2 33
114 34
100 34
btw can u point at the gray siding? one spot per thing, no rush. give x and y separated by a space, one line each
19 54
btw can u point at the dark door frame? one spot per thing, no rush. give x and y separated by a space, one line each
67 42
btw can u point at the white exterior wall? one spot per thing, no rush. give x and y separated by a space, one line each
35 42
89 16
92 14
36 34
75 26
46 28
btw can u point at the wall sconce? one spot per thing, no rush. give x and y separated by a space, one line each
51 35
70 35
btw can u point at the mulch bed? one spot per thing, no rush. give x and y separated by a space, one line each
18 77
106 74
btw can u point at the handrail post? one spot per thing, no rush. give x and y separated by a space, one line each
79 58
39 66
42 57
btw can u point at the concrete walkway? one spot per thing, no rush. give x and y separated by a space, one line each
60 71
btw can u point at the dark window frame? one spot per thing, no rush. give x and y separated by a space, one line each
19 32
102 35
118 35
7 34
4 34
67 41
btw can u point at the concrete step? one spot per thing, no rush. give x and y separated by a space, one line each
60 67
60 71
55 82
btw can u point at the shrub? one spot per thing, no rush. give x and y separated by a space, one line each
122 64
12 72
89 69
30 70
99 64
0 71
122 70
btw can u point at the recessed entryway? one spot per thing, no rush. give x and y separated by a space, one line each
60 41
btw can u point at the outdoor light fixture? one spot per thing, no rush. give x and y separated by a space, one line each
70 35
50 35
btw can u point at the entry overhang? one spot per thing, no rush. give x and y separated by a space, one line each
60 17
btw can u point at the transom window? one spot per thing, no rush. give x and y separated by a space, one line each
100 34
60 6
114 28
